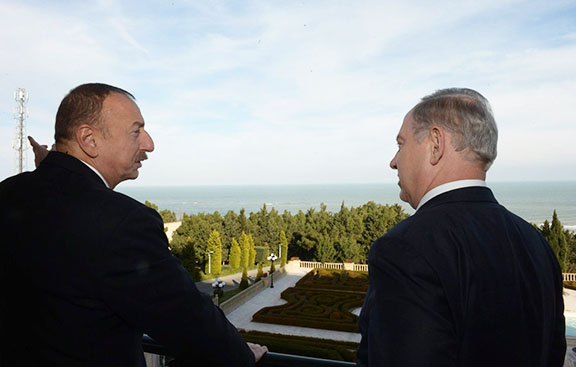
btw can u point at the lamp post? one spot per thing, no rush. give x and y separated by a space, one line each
217 286
272 258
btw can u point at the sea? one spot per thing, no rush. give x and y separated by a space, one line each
533 201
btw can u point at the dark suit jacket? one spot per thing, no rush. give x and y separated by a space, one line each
463 282
85 271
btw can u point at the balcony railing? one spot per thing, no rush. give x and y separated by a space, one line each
270 359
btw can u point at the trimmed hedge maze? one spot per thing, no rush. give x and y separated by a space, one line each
339 280
322 300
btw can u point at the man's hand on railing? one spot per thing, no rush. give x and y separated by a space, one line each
258 350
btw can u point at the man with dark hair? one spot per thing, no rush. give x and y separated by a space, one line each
462 282
84 270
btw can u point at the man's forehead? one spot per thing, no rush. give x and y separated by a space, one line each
405 128
117 104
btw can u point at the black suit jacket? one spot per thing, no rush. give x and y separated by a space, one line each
463 282
85 271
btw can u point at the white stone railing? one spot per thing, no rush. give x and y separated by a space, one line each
569 277
338 266
310 264
360 267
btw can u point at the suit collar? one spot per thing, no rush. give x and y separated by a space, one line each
73 164
449 186
466 194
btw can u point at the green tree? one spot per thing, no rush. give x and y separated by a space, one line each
188 257
571 246
244 282
284 248
557 241
168 216
151 205
215 246
244 242
260 272
252 251
235 254
230 229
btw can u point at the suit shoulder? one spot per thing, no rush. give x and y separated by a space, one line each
119 203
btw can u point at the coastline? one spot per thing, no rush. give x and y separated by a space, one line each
533 201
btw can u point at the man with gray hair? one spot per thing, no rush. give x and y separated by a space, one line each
463 281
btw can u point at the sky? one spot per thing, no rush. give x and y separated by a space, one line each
296 92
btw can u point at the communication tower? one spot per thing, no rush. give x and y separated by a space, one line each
21 114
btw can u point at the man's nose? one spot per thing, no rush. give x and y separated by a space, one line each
393 162
147 144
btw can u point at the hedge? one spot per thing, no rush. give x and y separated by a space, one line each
315 308
304 346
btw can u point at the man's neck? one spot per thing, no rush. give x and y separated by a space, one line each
79 154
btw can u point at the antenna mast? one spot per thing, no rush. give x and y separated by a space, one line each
20 114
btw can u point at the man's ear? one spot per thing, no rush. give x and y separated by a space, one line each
437 139
87 140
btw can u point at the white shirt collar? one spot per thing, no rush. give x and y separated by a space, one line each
98 173
449 187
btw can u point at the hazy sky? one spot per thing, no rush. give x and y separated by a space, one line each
250 92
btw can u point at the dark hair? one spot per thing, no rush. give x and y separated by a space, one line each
82 105
467 114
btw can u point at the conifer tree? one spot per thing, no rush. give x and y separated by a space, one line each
244 282
188 257
260 272
235 254
215 245
252 250
245 250
284 248
557 240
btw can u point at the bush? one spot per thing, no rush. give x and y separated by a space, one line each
304 346
260 272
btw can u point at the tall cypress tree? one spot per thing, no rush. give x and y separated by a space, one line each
284 248
245 250
252 250
557 241
235 254
215 245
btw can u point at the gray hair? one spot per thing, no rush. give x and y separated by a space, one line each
466 114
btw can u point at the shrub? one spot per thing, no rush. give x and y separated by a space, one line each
244 282
304 346
260 272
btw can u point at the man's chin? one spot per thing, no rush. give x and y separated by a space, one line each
403 196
